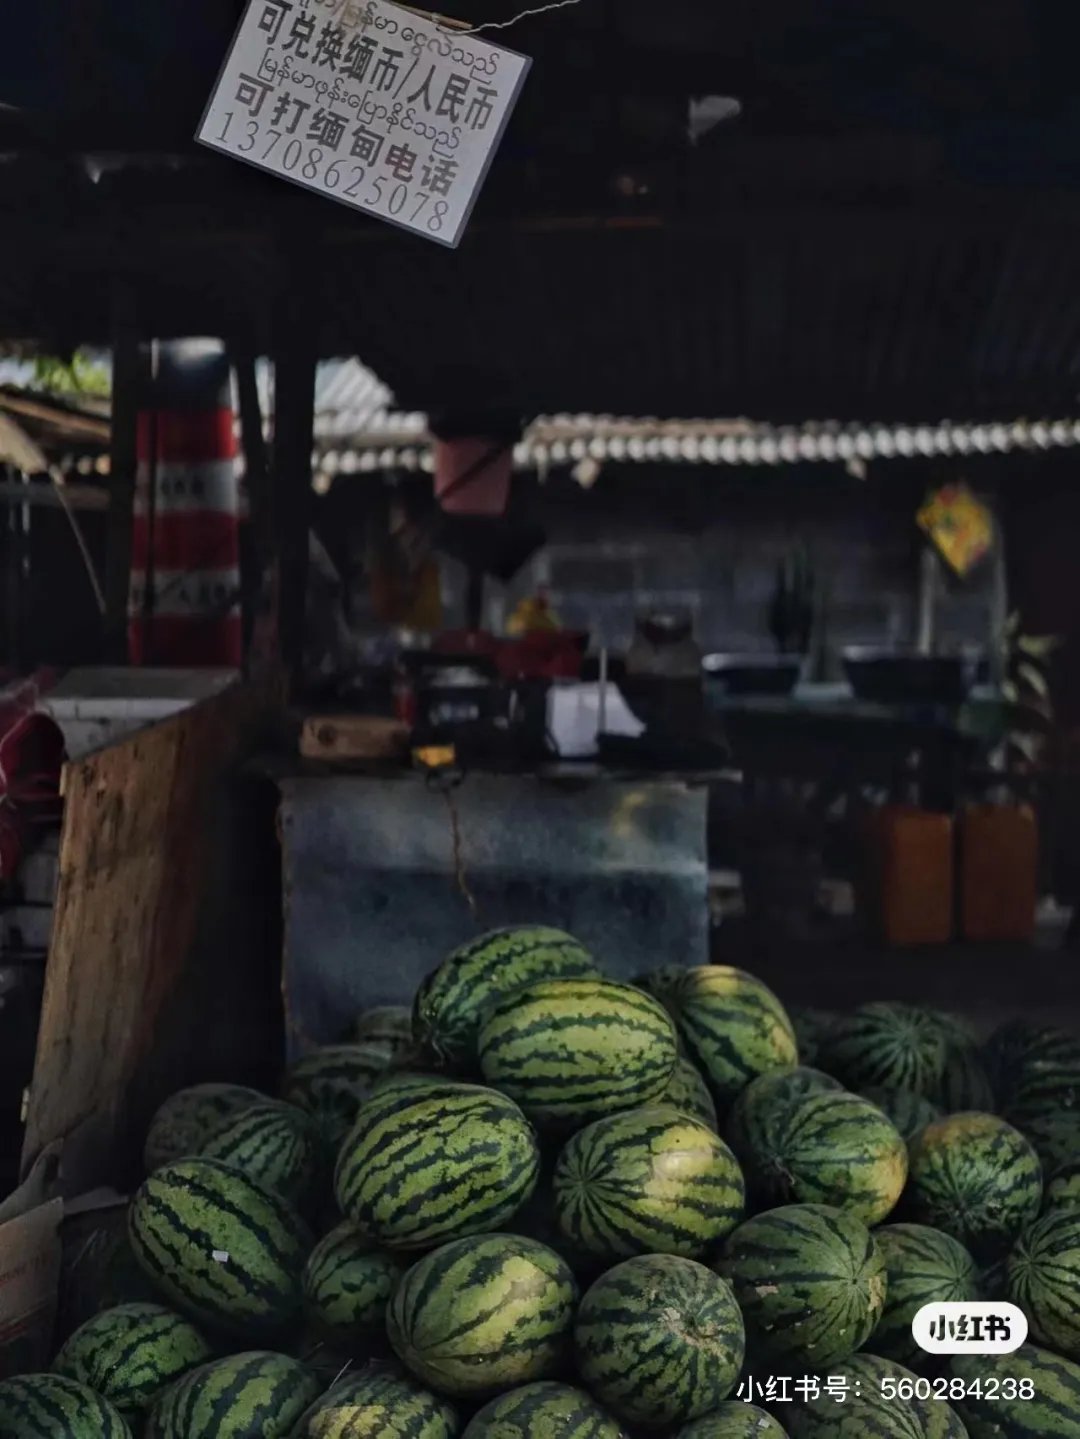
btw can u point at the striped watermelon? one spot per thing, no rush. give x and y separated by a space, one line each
572 1050
649 1181
435 1162
220 1246
734 1419
180 1126
993 1283
450 1002
923 1266
1054 1134
733 1027
810 1281
659 1340
1027 1061
536 1220
975 1177
688 1092
52 1406
1050 1410
888 1046
1043 1277
331 1083
122 1279
543 1411
812 1028
309 1347
484 1314
1056 1092
277 1145
396 1081
378 1404
347 1286
1063 1187
965 1081
866 1412
387 1026
246 1396
130 1353
758 1106
829 1148
907 1111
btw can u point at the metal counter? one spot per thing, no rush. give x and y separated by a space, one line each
377 890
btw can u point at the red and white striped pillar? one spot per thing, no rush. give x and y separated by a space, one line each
185 571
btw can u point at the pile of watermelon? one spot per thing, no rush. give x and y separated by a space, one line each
545 1203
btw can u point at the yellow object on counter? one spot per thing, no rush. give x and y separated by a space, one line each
532 616
435 756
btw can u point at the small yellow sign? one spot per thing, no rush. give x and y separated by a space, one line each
435 757
959 525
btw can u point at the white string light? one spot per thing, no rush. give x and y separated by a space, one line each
770 447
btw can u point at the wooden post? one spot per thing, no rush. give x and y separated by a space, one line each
257 538
927 607
294 438
256 462
999 602
126 386
474 600
10 568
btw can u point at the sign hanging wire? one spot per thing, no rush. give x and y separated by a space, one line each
462 27
522 15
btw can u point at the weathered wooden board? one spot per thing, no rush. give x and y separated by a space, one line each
343 738
164 963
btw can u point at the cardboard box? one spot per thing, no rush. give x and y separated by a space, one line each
30 1269
96 1263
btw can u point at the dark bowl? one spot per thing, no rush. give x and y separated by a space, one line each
732 675
899 677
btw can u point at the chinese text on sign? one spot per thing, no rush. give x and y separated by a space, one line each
367 103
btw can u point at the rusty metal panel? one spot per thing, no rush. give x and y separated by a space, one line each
377 891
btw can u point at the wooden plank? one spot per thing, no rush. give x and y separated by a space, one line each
42 496
256 462
341 738
294 440
163 969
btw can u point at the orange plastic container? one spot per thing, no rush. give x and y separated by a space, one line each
908 897
999 872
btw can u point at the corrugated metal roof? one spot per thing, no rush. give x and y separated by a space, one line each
358 432
349 398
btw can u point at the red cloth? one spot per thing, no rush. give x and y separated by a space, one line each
488 466
31 758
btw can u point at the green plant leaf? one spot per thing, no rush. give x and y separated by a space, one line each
1029 745
1039 647
1034 678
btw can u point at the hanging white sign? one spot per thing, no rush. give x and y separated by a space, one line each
367 103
